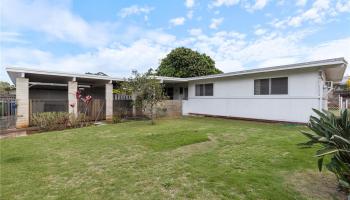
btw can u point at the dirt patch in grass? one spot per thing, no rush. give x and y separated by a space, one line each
315 185
191 149
173 140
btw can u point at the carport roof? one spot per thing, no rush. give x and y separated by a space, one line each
333 68
56 76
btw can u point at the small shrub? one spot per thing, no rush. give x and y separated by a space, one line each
116 119
333 134
81 120
50 120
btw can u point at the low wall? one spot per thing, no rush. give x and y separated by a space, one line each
167 108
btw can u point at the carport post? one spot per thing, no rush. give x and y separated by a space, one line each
22 102
133 97
109 101
72 98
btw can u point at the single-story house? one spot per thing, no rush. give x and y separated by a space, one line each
280 93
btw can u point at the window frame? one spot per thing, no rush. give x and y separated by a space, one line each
200 90
287 84
270 86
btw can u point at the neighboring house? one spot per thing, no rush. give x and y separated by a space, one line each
282 93
339 97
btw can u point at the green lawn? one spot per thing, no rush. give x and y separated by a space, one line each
187 158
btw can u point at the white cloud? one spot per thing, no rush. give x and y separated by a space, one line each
258 5
135 10
119 60
260 31
11 37
195 31
55 20
215 22
301 2
177 21
189 3
218 3
231 51
190 14
319 12
331 49
343 6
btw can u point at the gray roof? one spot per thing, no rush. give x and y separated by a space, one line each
334 67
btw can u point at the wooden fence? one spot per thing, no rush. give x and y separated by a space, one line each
122 108
95 110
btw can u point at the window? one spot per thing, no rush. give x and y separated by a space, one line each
205 89
271 86
261 86
186 93
170 93
279 85
208 89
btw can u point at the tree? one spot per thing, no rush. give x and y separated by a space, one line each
98 73
6 87
184 62
147 90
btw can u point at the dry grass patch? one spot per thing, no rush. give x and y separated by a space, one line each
315 185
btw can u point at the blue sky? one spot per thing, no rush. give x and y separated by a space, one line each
118 36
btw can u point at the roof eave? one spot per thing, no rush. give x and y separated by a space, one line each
314 64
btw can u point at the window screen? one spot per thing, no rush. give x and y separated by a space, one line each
204 89
279 85
201 86
198 90
186 93
271 86
261 87
209 89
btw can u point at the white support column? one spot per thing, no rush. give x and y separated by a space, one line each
133 97
72 99
22 98
109 101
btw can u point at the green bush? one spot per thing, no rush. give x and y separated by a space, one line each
50 120
333 134
116 119
79 121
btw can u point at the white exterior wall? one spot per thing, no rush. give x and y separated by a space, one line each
234 97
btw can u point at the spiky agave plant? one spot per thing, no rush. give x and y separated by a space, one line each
333 134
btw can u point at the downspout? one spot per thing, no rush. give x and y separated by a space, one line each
320 87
